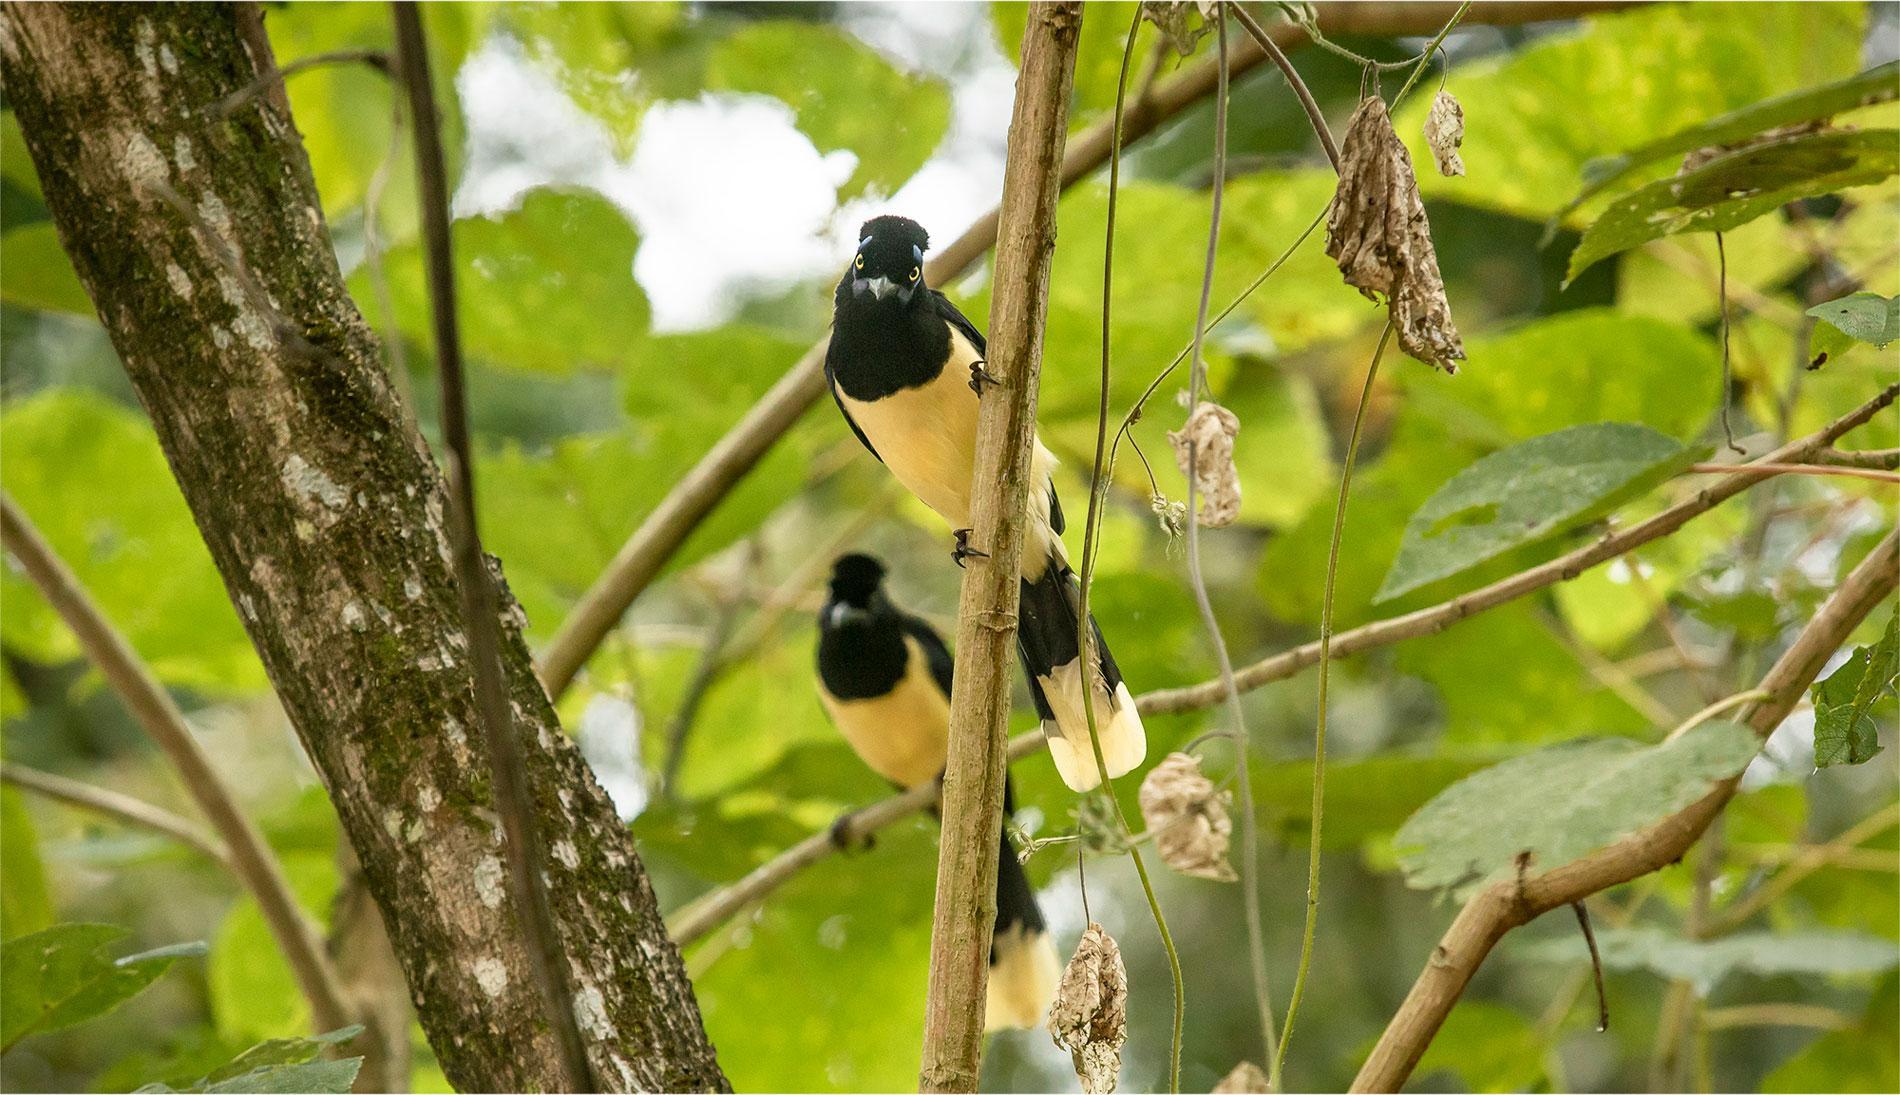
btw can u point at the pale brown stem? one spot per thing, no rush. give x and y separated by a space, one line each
1805 862
1506 905
986 612
130 810
1878 459
252 860
1823 470
701 489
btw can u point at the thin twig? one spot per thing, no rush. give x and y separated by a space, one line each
1721 296
372 58
252 860
1279 58
1808 861
130 810
481 614
1596 964
1729 703
1311 927
1877 459
1501 907
708 911
1819 470
1091 537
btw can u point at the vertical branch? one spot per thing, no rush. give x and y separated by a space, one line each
986 618
251 858
481 614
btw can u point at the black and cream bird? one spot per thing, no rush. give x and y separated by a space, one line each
884 677
907 371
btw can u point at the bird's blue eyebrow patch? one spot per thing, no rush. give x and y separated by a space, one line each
917 251
863 243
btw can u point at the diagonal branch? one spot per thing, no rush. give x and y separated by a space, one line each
976 767
699 492
707 912
251 858
1510 904
132 811
481 614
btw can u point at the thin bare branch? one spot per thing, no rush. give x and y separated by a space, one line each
251 858
1279 58
1499 908
130 810
480 609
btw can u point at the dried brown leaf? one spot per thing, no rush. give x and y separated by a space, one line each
1182 23
1245 1078
1204 450
1189 817
1089 1017
1378 234
1444 132
1702 156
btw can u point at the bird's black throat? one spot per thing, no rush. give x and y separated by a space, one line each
880 347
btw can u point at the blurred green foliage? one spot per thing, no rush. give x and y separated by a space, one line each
586 416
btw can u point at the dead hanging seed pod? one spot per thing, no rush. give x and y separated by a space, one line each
1204 450
1246 1077
1089 1017
1444 132
1182 23
1189 818
1378 235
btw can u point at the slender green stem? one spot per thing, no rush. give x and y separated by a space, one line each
1091 535
1319 734
1431 47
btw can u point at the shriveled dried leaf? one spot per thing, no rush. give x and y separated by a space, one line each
1246 1077
1444 132
1378 234
1703 155
1089 1017
1182 23
1189 817
1204 450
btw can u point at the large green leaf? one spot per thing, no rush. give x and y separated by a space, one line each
57 977
1868 317
280 1065
24 904
38 274
614 60
90 474
843 94
1862 1057
1563 802
1535 116
1876 85
1844 728
1704 962
253 994
547 285
1526 493
1735 188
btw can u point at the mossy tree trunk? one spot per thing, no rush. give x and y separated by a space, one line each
201 242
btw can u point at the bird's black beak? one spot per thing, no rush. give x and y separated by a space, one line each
844 614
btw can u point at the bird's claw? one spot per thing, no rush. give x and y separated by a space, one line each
980 376
963 550
845 838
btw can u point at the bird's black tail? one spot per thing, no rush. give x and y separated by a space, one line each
1045 637
1023 965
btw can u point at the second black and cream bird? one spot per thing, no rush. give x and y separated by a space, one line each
884 677
906 368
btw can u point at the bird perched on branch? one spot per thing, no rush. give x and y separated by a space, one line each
906 368
884 677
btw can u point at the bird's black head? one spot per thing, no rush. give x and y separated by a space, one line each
889 264
856 579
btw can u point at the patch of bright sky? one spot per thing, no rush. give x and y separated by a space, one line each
730 199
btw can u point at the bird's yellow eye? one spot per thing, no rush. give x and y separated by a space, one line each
915 271
860 262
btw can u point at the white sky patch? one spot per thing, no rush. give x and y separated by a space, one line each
729 198
610 741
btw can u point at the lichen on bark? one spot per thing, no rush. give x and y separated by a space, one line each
201 242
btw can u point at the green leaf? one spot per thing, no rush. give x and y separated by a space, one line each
1864 1057
38 274
1538 114
1868 317
16 164
1563 802
1526 493
55 978
330 1077
843 94
253 994
1491 1047
1844 730
90 474
1876 85
1735 188
594 51
1704 962
280 1065
548 285
281 1051
24 904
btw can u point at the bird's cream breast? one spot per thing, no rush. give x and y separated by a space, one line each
904 734
927 435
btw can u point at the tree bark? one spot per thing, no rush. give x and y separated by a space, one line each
202 245
986 614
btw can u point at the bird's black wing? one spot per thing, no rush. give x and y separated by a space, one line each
936 655
959 322
848 420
